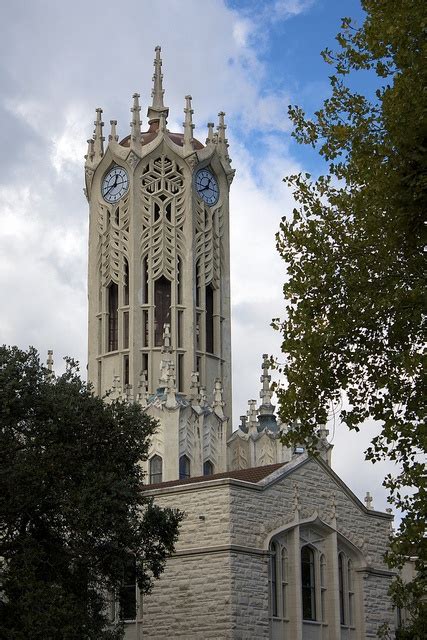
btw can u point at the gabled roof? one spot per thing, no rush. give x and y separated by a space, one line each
253 475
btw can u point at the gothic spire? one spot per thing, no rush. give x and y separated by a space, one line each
266 411
222 140
135 125
210 138
188 126
98 138
157 107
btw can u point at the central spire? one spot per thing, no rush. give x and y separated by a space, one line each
157 107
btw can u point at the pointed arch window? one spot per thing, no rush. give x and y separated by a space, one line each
113 316
184 467
284 581
308 583
162 312
273 579
156 469
208 468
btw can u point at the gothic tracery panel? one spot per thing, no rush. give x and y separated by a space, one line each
113 247
163 214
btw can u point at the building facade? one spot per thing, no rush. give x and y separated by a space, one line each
274 545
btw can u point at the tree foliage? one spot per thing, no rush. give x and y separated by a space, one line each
71 505
354 329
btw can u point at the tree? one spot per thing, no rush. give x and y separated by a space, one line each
354 326
72 511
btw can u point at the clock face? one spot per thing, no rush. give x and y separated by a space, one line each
115 184
207 186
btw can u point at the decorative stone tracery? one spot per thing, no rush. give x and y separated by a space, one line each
163 215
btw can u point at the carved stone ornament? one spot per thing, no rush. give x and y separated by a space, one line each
133 159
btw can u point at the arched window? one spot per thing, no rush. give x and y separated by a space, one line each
156 469
273 579
113 317
162 312
308 584
208 468
184 467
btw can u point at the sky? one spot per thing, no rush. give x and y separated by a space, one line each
250 58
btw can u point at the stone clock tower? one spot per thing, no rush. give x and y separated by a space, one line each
159 275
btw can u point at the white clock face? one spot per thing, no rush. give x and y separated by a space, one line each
115 184
207 186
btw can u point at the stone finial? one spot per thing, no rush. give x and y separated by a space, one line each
218 402
333 506
98 138
128 393
188 126
243 427
297 504
113 137
166 359
266 393
203 396
116 389
194 389
157 107
210 138
89 157
252 417
49 363
171 387
142 396
166 346
135 126
368 501
221 139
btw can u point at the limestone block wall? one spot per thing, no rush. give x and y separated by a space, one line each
216 586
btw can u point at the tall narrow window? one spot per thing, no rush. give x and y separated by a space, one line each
180 315
145 364
126 370
126 330
284 569
180 372
178 281
162 301
126 282
198 338
113 317
145 328
156 469
197 284
273 579
128 591
184 467
209 319
308 584
208 468
145 280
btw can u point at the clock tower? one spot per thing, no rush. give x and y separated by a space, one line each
159 275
